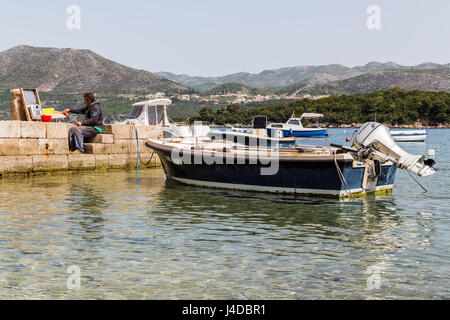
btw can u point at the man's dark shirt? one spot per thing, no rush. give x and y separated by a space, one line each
94 115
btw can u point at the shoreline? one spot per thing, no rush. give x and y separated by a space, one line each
353 125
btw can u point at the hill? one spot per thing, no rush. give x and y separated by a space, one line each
288 76
71 70
234 88
410 79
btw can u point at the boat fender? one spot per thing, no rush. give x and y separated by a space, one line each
377 165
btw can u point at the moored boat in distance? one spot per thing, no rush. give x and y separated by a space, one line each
150 112
154 112
256 136
251 139
335 171
294 127
409 135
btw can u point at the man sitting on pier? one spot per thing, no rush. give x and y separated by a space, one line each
89 127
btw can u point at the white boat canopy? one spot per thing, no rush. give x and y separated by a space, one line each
150 112
311 115
152 103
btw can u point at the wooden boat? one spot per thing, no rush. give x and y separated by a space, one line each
335 171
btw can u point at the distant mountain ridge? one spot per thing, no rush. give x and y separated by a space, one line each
437 80
72 70
313 75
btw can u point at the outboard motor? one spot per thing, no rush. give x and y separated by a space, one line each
373 135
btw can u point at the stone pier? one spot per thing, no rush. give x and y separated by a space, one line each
32 147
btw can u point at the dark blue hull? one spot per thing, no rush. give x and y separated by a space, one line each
307 177
309 134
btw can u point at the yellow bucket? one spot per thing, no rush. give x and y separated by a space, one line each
48 111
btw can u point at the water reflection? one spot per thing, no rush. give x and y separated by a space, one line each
87 206
368 231
372 213
141 237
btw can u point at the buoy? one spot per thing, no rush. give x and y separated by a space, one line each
431 153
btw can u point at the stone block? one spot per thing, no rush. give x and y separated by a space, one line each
16 164
61 146
10 129
117 161
37 146
120 146
28 146
142 147
96 148
101 161
81 161
48 163
9 147
57 130
102 138
30 129
46 146
147 132
120 131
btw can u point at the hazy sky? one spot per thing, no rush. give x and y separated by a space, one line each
212 37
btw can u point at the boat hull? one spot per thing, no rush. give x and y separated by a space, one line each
409 135
406 138
303 133
304 177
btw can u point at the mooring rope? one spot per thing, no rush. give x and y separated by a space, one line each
153 153
417 181
138 154
139 160
342 178
133 126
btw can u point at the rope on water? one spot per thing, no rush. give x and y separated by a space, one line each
153 153
138 151
138 154
342 178
417 182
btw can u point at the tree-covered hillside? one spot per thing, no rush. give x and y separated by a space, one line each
394 106
235 88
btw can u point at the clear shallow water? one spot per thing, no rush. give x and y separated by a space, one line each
149 239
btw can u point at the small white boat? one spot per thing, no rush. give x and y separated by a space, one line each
294 127
154 112
150 112
409 135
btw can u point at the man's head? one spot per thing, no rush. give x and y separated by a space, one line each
89 98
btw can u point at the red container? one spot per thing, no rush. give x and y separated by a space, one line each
46 118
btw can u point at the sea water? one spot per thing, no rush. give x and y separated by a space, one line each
117 235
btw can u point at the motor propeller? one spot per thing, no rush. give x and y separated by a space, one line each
377 136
